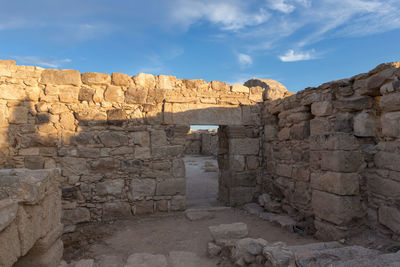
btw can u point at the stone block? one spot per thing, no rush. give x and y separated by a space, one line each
270 133
120 79
284 134
390 123
105 165
178 168
343 122
140 138
45 243
238 88
383 186
34 162
113 139
319 126
95 78
387 160
167 151
284 170
297 117
144 80
345 184
353 103
300 131
78 215
86 94
390 217
390 102
6 67
114 94
241 195
365 124
237 162
339 210
61 77
73 166
144 207
372 85
323 108
341 161
178 203
328 231
8 212
141 188
110 187
228 231
115 210
158 138
246 178
171 187
18 115
245 146
10 249
166 82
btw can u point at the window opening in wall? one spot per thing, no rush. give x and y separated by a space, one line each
201 150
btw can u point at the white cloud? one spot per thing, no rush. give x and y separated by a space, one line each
281 5
292 56
245 60
227 15
41 61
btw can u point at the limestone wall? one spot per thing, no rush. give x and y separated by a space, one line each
331 154
118 140
202 142
30 213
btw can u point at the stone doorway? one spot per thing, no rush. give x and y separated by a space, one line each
202 172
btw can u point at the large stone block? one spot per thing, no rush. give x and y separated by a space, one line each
390 102
171 187
240 195
353 103
229 231
387 160
6 67
111 187
323 108
341 161
113 139
120 79
61 77
345 184
319 126
390 123
245 146
383 186
365 124
300 130
78 215
339 210
390 217
167 151
94 78
8 212
141 138
114 94
158 138
115 210
144 80
50 258
141 188
136 95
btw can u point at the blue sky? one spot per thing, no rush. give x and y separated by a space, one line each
300 43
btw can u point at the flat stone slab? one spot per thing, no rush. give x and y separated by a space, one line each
146 260
229 231
283 221
198 215
253 208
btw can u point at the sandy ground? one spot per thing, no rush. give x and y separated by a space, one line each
164 232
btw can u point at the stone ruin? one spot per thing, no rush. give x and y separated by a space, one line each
95 147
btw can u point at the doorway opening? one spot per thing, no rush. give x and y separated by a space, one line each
201 152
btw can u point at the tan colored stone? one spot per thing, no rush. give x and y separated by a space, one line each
93 78
143 188
14 92
238 88
390 123
171 187
114 94
120 79
220 86
365 124
10 248
166 82
61 77
390 102
67 121
50 258
136 95
341 161
6 67
323 108
69 94
144 81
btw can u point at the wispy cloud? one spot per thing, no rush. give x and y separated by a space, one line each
244 60
292 56
41 61
281 5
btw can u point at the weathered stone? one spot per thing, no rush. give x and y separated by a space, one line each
18 115
391 124
353 103
383 186
142 188
387 160
229 231
45 243
345 184
213 250
365 124
158 138
253 208
319 126
86 94
336 209
120 79
238 88
115 210
277 254
166 82
390 217
323 108
8 212
341 161
141 138
105 165
171 187
75 216
113 139
61 77
112 187
52 257
6 67
284 134
143 207
247 146
144 80
390 102
114 94
167 151
95 78
300 131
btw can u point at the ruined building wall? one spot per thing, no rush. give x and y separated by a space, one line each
30 214
332 153
202 142
118 140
